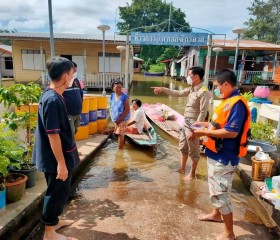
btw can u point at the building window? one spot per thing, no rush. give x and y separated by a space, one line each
112 62
135 64
8 63
32 60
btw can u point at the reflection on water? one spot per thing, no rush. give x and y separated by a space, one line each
150 174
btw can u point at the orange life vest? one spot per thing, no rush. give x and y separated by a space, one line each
219 120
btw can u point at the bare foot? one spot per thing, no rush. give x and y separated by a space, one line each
63 223
51 234
210 218
225 236
181 171
190 177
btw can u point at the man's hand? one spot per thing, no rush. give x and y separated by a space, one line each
157 90
62 172
192 135
205 124
199 132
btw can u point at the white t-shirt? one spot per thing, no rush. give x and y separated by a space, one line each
140 120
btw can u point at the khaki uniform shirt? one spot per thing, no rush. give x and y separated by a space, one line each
198 101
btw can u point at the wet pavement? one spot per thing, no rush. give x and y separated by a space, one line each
137 194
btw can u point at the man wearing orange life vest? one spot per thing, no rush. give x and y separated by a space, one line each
225 141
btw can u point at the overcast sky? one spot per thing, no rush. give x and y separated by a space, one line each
83 16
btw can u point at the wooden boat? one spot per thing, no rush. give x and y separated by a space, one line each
147 138
166 118
153 73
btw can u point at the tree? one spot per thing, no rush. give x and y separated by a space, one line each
264 24
152 16
7 42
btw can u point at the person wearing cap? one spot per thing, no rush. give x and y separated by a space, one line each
196 110
120 111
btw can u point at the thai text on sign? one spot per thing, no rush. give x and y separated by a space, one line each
169 38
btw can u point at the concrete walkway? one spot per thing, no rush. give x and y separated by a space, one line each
269 214
20 218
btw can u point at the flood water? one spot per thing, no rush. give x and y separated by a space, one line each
136 193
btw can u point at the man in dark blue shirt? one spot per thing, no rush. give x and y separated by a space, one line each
225 141
73 97
55 151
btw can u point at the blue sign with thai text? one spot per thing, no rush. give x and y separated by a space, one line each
169 38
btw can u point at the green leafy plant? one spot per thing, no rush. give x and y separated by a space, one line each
157 68
22 97
248 96
257 79
263 132
9 150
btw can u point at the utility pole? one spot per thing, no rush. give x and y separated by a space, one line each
208 59
51 29
169 19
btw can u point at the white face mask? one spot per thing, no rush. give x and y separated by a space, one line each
75 75
71 82
189 80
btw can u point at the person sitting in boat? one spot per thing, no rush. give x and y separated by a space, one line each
120 112
139 119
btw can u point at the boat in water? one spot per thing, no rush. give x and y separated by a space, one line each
165 118
147 138
156 74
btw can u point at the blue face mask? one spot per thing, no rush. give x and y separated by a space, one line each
218 93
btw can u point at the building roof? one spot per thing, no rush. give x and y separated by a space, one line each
6 48
62 36
246 45
138 59
166 60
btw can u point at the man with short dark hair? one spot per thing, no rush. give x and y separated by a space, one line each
225 141
139 121
196 110
73 97
55 151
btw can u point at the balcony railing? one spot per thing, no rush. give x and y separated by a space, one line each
93 80
250 77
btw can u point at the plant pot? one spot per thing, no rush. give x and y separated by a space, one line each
16 189
30 171
2 199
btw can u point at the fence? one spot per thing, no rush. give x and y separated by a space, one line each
250 77
93 80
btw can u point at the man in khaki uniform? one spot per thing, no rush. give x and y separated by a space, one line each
196 111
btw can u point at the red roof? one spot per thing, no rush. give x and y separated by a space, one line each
166 60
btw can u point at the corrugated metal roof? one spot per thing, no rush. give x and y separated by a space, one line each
6 48
246 44
65 36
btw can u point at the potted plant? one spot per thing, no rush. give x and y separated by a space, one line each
22 120
2 196
14 183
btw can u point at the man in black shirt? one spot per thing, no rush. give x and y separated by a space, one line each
55 151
